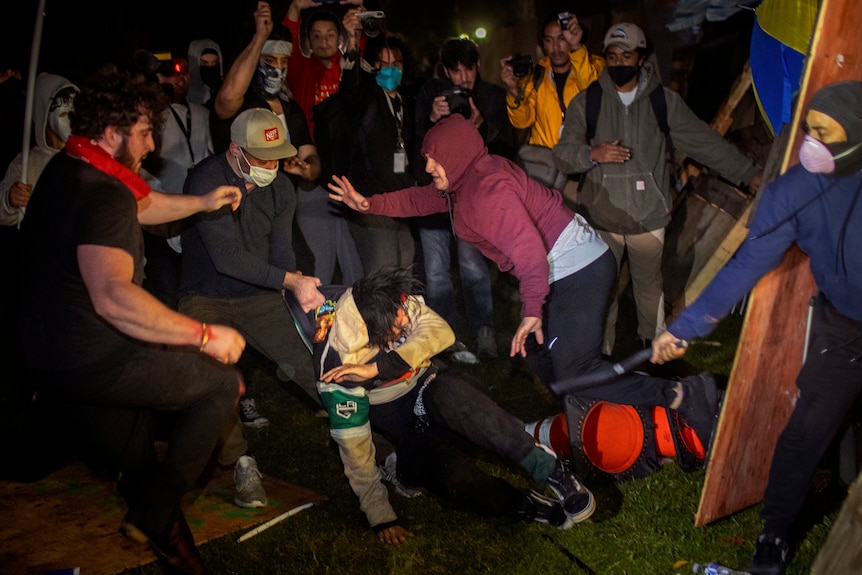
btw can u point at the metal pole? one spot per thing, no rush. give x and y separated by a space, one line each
31 82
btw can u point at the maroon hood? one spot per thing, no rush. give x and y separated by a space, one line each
456 145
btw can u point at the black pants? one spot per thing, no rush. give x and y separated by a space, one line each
574 320
829 383
111 416
433 451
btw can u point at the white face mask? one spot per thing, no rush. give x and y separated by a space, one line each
59 121
260 177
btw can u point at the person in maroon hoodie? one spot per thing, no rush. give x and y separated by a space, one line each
564 269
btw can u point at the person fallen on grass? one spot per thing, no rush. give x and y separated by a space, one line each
565 270
816 205
373 353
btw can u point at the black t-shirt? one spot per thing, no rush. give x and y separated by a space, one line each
72 204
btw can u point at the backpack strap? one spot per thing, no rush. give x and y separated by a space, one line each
659 108
538 76
593 106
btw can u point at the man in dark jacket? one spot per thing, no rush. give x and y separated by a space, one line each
817 206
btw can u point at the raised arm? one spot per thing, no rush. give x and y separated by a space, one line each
229 98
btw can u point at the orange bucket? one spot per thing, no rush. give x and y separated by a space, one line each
664 444
613 436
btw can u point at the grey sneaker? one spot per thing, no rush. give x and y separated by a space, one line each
387 469
249 414
249 483
459 352
487 343
577 501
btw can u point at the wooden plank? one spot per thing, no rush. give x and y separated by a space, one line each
71 519
762 382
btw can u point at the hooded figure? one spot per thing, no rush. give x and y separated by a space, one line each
52 102
203 80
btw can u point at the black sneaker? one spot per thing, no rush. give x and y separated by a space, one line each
536 507
699 408
249 415
770 555
577 501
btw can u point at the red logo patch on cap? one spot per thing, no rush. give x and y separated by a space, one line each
271 134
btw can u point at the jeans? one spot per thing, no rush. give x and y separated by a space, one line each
475 279
110 413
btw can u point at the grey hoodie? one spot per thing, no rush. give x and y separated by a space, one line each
199 93
45 88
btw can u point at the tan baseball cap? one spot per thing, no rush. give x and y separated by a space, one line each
262 134
626 35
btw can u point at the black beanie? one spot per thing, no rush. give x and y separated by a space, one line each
842 101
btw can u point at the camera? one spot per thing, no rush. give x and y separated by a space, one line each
522 64
458 99
373 22
564 18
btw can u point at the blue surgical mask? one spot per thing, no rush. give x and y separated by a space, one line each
268 80
389 77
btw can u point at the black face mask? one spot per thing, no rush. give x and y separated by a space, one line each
622 75
211 76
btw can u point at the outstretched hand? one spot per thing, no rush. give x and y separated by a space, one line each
343 191
395 535
222 196
528 325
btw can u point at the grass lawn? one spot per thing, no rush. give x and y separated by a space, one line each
641 526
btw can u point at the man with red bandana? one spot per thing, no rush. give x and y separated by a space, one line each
94 339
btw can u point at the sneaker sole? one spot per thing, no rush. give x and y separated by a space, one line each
257 424
581 515
250 504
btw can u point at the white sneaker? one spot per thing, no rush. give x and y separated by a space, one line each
249 483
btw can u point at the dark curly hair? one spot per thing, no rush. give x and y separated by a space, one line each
378 297
395 42
459 51
117 98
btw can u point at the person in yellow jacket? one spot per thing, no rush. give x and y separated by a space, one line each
567 68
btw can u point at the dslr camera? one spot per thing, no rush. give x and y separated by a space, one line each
458 99
373 22
522 64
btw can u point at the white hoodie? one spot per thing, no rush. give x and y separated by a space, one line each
45 88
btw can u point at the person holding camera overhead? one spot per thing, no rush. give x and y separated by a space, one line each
462 90
538 95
